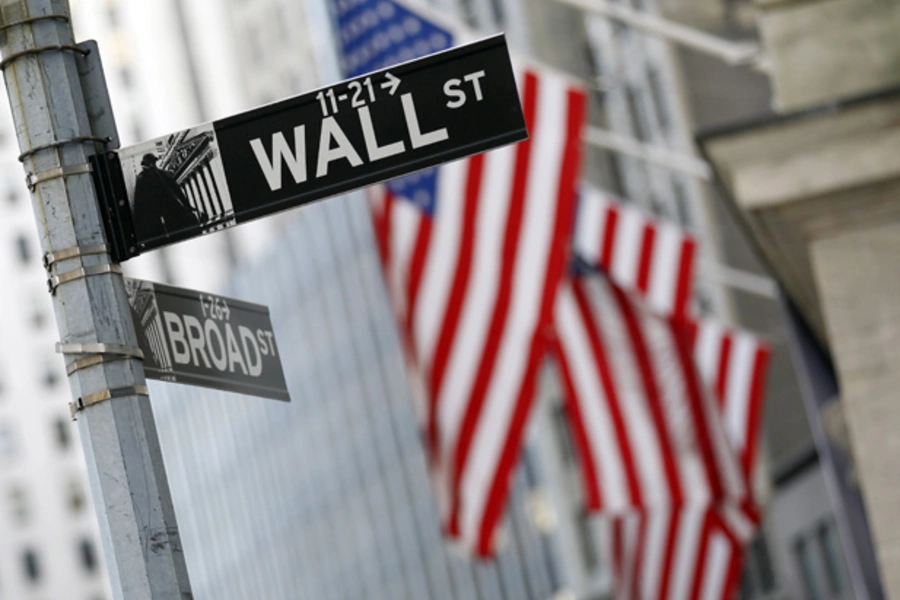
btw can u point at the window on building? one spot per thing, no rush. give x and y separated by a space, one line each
681 203
50 377
658 207
112 14
23 248
758 579
469 12
31 565
659 98
12 194
589 555
498 12
62 433
561 427
762 561
87 555
635 111
282 21
806 561
828 547
9 443
38 313
126 77
76 496
818 557
257 52
18 505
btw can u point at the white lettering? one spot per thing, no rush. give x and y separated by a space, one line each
416 136
451 88
474 77
271 337
261 338
375 151
220 358
332 131
296 160
176 337
234 352
196 339
255 363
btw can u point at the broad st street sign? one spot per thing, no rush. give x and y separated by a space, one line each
206 340
356 133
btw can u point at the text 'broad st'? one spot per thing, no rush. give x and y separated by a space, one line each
207 340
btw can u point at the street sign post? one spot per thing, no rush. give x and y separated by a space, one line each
355 133
205 339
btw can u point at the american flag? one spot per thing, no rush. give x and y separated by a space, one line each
692 551
650 258
734 364
705 562
473 254
655 457
648 430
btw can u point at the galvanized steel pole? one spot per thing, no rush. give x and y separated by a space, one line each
128 481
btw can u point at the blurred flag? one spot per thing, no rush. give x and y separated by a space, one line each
650 258
647 429
660 548
704 562
734 363
653 451
473 253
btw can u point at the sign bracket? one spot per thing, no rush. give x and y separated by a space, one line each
83 402
97 353
117 220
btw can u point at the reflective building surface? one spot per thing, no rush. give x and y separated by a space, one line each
328 496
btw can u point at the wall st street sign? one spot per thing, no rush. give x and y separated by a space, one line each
207 340
355 133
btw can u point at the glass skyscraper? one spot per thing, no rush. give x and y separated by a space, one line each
327 496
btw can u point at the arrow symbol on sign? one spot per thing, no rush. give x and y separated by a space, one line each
391 84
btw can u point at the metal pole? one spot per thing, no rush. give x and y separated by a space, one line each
733 53
137 521
668 159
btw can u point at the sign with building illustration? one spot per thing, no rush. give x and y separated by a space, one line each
206 340
355 133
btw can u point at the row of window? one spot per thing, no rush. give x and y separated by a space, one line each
19 505
10 444
32 568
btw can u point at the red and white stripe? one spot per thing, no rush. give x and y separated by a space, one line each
653 451
652 259
734 363
647 429
474 287
705 559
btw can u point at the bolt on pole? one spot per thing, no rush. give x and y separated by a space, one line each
138 530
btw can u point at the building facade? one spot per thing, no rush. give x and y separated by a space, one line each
328 496
49 547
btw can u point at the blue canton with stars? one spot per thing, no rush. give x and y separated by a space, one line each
373 34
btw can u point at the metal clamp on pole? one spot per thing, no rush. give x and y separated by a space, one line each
29 20
33 179
103 395
73 140
54 281
53 257
97 353
58 48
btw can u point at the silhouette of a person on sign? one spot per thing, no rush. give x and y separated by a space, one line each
160 206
